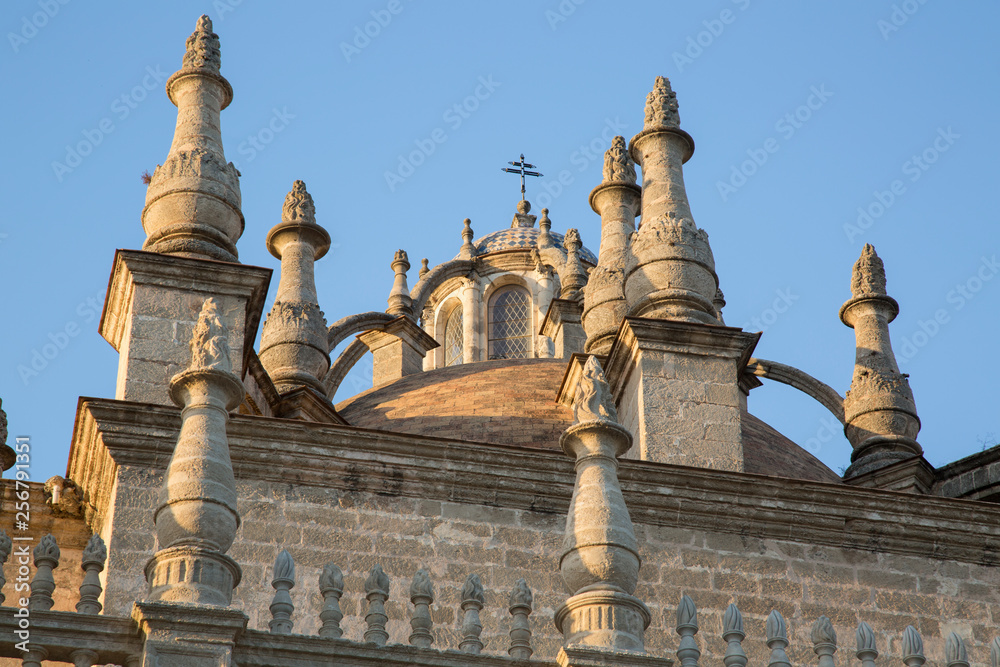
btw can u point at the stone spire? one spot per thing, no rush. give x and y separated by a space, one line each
399 301
617 201
193 200
293 344
196 519
600 560
544 231
575 278
670 273
880 416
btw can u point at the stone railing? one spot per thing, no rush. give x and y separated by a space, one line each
85 638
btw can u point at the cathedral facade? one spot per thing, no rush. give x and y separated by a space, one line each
556 462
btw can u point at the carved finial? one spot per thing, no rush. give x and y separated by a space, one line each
868 277
92 563
399 301
777 639
593 398
954 651
523 218
823 632
46 556
468 250
867 652
865 637
618 164
824 639
574 276
331 587
913 647
732 633
424 269
203 47
472 603
282 582
687 628
299 205
421 595
544 239
63 495
661 105
210 340
377 592
995 652
520 629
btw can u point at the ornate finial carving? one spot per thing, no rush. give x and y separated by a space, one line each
46 556
92 563
995 652
777 639
282 582
299 206
868 277
687 628
954 651
523 218
203 47
574 276
472 603
210 341
824 639
400 302
913 647
331 587
593 398
867 652
732 633
377 592
421 595
424 269
661 105
520 629
618 164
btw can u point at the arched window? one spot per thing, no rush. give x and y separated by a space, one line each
453 336
510 324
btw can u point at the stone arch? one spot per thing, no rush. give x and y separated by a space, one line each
355 324
343 364
435 277
826 395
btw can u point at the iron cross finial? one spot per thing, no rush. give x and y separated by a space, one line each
522 170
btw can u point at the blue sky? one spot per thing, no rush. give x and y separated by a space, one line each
819 127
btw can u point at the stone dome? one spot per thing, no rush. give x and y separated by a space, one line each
524 238
513 402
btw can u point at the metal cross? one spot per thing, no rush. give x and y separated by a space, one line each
522 169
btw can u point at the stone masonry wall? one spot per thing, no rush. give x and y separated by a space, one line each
356 530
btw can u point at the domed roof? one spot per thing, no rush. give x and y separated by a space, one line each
517 238
512 402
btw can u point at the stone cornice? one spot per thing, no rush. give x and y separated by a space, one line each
62 632
110 433
207 276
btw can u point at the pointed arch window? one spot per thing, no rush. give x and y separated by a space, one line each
510 324
453 338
